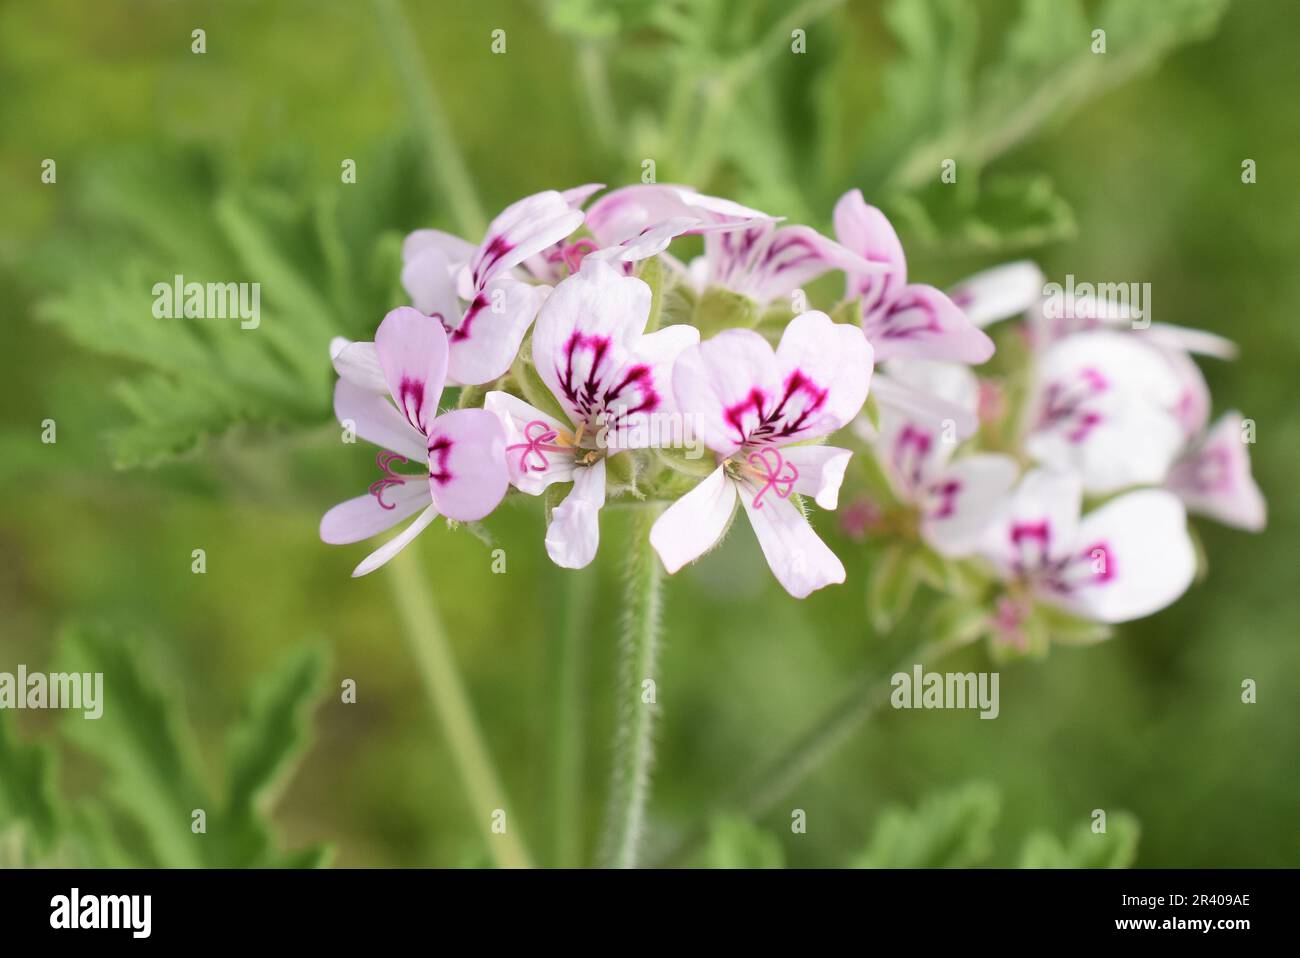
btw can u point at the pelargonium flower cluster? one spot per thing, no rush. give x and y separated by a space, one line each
589 354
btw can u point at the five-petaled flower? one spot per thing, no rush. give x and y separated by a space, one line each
464 450
759 410
610 378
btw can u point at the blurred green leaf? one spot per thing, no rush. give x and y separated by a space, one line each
738 843
27 798
949 830
1114 848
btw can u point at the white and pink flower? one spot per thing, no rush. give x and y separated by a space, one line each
759 411
479 294
1213 477
954 497
388 391
611 378
1124 560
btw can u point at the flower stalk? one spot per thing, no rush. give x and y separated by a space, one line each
634 735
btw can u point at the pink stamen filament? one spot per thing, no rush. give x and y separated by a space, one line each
769 463
539 442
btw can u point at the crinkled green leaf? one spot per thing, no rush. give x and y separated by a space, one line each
1114 848
949 830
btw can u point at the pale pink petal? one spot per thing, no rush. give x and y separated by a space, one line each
626 213
412 351
487 339
1105 408
534 454
574 533
1129 558
395 544
792 256
577 195
358 363
727 386
999 293
455 250
430 280
375 420
640 410
369 515
523 229
961 503
825 370
801 562
650 241
912 403
923 323
867 232
1196 341
584 337
821 471
1214 479
693 524
467 463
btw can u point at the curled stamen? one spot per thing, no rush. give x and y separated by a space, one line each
384 460
539 438
770 471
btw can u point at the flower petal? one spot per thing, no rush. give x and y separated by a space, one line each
534 460
693 524
487 339
923 323
524 228
825 370
914 445
1130 558
801 562
574 533
866 231
767 263
467 463
455 250
412 350
395 544
1105 408
585 336
366 516
961 503
821 471
1214 479
376 420
358 363
909 402
999 293
725 386
1035 524
430 280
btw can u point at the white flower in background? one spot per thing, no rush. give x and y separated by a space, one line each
1213 477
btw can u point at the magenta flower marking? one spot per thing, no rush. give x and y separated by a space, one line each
895 328
947 493
770 462
539 438
801 398
910 449
411 394
439 452
384 460
1039 533
1065 404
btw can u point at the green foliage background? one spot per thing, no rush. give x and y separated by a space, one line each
226 165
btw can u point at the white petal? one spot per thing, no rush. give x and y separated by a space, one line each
1130 558
999 293
821 471
693 524
961 503
366 516
574 533
726 386
1214 478
395 544
377 420
533 464
826 370
358 364
1035 524
430 280
485 342
801 562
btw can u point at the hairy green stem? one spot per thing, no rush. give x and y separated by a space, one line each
568 705
448 174
427 640
778 778
634 736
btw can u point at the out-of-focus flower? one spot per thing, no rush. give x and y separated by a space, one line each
1213 477
1126 559
610 377
754 408
463 451
954 499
